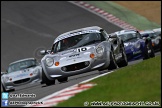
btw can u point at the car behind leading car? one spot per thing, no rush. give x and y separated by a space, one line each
155 38
135 46
21 72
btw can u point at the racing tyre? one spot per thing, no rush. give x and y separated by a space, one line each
160 45
145 53
152 54
11 90
124 61
3 88
46 80
63 79
112 64
42 82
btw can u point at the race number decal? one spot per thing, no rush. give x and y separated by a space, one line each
81 49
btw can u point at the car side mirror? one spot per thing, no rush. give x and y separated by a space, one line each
112 36
48 51
3 73
43 52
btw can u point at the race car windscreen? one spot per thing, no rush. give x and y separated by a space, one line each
158 33
77 41
21 65
151 35
128 37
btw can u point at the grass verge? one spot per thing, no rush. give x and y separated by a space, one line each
138 82
126 15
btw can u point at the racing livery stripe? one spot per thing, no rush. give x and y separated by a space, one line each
76 33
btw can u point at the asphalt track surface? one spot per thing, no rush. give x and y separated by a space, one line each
27 26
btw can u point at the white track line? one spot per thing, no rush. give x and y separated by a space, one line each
95 77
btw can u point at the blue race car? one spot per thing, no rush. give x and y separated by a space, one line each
135 46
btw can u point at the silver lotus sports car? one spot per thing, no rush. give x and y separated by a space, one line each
21 72
80 51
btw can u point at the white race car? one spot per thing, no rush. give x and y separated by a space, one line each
80 51
21 72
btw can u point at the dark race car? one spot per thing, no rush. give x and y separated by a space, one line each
135 46
157 31
155 38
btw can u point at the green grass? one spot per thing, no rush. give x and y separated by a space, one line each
126 15
138 82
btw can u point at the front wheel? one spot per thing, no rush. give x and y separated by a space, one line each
63 79
112 64
145 53
46 80
3 88
152 53
124 61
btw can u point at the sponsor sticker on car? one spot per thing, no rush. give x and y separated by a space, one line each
20 75
137 52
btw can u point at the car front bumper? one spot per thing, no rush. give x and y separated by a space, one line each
11 84
76 67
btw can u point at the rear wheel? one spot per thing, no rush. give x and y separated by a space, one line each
63 79
112 64
46 80
124 61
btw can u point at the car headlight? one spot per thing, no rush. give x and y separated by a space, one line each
157 41
35 71
6 79
49 62
137 45
100 51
